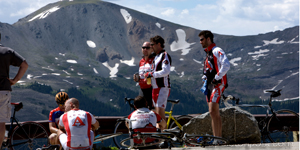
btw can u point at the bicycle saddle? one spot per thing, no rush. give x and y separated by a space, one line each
174 101
18 105
175 130
275 93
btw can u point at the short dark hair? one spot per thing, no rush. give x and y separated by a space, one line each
207 34
158 39
140 102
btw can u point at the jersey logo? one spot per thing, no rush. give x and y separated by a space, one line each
220 53
78 122
166 62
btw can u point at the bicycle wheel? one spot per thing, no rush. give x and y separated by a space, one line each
182 120
281 126
120 127
126 143
37 134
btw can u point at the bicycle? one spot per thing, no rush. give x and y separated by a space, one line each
274 127
26 135
174 137
121 127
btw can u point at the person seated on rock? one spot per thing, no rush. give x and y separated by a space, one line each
54 115
144 120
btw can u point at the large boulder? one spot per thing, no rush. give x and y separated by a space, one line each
238 126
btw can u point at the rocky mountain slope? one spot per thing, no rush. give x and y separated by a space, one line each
72 44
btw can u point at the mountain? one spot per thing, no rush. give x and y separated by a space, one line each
92 48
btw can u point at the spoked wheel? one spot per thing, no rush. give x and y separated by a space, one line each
29 136
120 127
142 142
182 120
281 126
204 140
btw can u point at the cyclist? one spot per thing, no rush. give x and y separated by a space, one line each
77 124
54 115
159 75
145 120
144 67
215 68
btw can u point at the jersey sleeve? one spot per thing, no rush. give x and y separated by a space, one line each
17 59
61 120
93 119
223 62
166 67
51 117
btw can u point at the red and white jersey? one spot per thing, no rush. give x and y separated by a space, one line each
144 67
145 121
77 124
161 68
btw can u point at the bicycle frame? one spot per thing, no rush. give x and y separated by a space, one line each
171 117
12 120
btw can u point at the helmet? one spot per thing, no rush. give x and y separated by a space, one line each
61 97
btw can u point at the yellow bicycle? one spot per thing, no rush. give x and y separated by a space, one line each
171 122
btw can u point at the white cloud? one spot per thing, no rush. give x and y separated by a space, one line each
168 12
184 12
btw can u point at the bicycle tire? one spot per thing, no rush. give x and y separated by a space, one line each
282 130
182 120
120 127
126 143
35 131
203 140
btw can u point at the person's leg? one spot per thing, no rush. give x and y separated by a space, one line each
53 139
161 112
5 108
2 132
63 138
215 118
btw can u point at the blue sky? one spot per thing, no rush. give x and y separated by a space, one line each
229 17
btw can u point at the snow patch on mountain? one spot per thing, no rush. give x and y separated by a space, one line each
71 61
128 62
232 61
113 70
44 14
274 41
258 54
126 15
91 44
181 44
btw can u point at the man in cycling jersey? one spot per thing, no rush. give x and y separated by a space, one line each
77 124
144 120
54 115
159 75
215 68
144 67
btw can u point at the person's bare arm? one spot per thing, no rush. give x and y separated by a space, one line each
95 126
22 69
162 124
52 127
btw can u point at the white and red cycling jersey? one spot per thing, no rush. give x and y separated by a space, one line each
144 67
144 120
77 124
161 68
216 65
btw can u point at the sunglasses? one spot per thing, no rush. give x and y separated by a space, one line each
145 47
202 39
152 44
